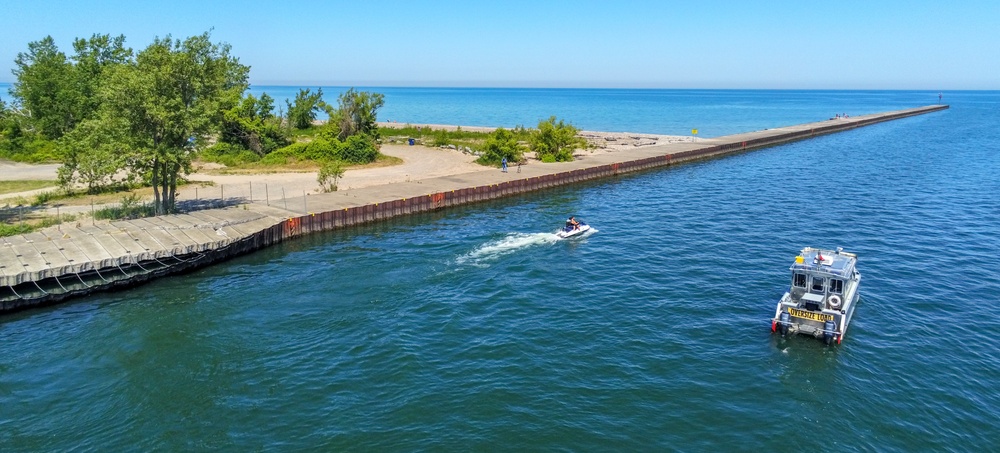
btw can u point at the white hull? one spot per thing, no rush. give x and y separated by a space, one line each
564 233
822 297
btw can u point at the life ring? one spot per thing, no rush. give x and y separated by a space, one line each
834 302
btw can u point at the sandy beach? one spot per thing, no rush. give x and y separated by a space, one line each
418 162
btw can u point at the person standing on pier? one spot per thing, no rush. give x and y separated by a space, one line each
503 164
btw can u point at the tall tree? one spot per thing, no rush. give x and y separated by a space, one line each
44 88
173 95
92 57
357 113
302 113
95 152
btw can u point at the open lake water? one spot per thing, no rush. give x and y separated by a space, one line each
474 329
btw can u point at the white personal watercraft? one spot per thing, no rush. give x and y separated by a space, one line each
569 231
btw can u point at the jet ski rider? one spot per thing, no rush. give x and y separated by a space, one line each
572 224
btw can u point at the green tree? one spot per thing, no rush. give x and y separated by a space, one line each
94 154
251 124
20 140
9 129
7 122
555 142
44 88
501 144
56 94
302 113
92 58
172 95
357 113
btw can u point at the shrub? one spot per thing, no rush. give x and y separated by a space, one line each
555 140
441 138
30 148
43 198
321 150
501 144
285 155
229 155
329 174
359 149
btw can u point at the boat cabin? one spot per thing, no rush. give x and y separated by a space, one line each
817 276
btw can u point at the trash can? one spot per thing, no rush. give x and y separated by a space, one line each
412 142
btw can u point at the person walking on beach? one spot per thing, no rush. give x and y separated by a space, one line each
503 164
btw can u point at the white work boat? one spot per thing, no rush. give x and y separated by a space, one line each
822 297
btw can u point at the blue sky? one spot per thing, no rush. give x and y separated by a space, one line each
831 44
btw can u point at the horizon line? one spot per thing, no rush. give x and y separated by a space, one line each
576 87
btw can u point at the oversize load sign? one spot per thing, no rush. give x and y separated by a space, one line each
821 317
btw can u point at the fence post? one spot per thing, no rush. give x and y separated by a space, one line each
251 191
283 198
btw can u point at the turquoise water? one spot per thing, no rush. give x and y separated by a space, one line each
474 329
673 112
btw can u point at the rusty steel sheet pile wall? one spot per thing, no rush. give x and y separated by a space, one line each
387 210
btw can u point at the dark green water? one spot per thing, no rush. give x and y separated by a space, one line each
474 329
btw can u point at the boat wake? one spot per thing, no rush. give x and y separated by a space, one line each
505 246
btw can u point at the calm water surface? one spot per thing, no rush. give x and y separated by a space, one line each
654 111
474 329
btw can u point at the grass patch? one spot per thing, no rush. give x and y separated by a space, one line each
25 185
18 224
382 161
82 198
258 168
7 229
299 166
130 207
460 138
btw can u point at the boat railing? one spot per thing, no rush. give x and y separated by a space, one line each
818 270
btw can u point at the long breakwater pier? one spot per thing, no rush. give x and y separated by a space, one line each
56 264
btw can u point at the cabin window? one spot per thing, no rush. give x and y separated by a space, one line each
819 284
836 286
799 280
